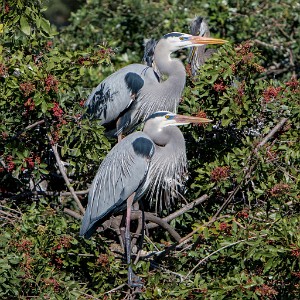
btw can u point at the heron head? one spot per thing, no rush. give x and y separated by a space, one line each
178 40
166 118
199 27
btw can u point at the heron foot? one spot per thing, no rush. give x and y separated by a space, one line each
134 280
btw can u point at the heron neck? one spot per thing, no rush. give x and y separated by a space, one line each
167 65
176 77
166 138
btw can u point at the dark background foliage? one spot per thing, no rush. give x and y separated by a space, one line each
244 239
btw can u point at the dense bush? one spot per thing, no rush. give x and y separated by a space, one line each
245 240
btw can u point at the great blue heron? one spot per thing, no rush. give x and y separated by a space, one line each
197 56
141 161
134 92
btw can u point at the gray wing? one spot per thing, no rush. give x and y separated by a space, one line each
122 172
148 57
115 93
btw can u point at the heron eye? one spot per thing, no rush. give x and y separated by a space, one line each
167 116
181 38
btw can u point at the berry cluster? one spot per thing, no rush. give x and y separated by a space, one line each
219 173
52 282
10 163
51 84
103 260
29 104
3 70
219 86
57 111
279 189
271 93
27 88
265 290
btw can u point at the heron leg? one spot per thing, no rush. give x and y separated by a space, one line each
117 127
119 138
133 280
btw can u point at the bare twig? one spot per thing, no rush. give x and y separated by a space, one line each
72 213
115 289
185 239
34 124
150 217
10 209
2 163
10 215
63 173
181 211
261 43
271 134
222 248
28 127
114 222
250 169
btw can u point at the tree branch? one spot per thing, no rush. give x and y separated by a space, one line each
222 248
72 213
28 127
271 134
249 171
114 222
63 173
181 211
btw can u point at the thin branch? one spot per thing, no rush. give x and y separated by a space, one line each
8 208
28 127
292 62
115 289
271 134
114 222
72 213
185 239
261 43
249 171
150 217
34 124
2 212
181 211
222 248
2 163
182 277
63 173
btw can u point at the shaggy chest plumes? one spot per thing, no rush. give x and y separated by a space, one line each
168 170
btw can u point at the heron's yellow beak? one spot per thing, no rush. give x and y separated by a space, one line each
181 119
203 40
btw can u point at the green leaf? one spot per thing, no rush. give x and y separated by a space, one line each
224 111
45 24
226 122
25 27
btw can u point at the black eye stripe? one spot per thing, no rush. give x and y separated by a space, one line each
172 34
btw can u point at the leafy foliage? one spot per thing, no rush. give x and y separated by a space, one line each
43 93
245 241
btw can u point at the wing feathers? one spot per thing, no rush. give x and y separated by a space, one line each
121 173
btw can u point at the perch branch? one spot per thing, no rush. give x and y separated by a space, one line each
135 215
72 213
63 173
181 211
